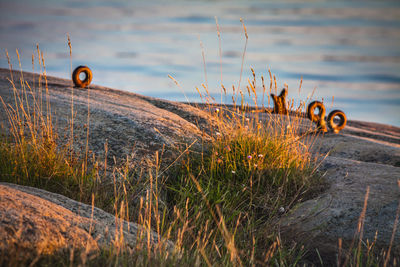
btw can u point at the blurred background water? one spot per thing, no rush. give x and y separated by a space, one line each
346 49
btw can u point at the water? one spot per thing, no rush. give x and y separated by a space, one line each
346 49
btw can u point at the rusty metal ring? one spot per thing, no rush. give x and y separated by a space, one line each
320 118
310 111
82 83
342 123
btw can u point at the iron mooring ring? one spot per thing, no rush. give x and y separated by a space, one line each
342 123
320 118
82 83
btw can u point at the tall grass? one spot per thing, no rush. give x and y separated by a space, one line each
252 171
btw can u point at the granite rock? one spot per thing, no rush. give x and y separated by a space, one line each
39 222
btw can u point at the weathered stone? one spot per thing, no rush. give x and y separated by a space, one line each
320 222
39 222
34 225
126 122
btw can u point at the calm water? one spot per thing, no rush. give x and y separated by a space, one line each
349 50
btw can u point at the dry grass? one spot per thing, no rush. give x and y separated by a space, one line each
32 152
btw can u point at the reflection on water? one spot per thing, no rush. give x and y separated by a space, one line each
349 50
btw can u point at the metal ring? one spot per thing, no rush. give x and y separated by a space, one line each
342 123
310 111
77 81
320 118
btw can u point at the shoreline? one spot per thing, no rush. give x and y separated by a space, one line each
125 118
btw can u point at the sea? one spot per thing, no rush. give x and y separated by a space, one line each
346 53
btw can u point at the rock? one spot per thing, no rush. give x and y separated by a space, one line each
367 142
129 123
39 222
36 226
320 222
